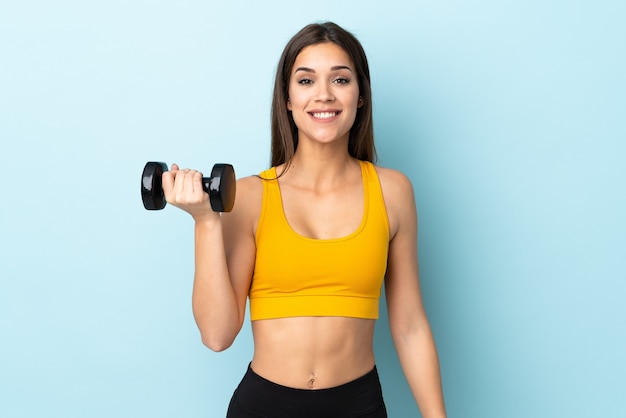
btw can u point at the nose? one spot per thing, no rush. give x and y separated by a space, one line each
325 93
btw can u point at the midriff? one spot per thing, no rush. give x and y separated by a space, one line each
313 352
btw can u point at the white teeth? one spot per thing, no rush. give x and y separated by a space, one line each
324 115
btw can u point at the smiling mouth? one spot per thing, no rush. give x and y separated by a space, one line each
324 115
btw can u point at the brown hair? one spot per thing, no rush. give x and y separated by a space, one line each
284 130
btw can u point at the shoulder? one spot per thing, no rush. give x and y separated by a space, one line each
248 200
396 186
250 184
399 197
249 192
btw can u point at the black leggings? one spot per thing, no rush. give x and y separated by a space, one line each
256 397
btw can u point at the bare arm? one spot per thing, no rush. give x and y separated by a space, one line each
224 255
408 322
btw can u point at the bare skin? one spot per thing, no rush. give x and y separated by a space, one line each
322 196
328 351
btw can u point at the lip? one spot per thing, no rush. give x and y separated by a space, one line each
324 115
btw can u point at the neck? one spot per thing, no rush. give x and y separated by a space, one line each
320 167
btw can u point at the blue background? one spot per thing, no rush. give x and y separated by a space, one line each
508 116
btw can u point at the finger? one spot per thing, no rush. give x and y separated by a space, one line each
179 183
191 184
167 181
197 182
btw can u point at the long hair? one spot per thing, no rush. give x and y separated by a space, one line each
284 130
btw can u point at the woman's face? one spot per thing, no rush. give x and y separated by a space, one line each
323 93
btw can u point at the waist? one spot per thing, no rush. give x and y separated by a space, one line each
313 352
263 397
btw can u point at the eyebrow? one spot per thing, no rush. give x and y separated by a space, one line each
335 68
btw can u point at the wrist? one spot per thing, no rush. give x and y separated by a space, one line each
207 220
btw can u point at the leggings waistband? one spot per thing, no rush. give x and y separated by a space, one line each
262 397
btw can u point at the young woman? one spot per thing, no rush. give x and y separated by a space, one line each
310 242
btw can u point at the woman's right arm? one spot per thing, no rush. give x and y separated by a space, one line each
224 253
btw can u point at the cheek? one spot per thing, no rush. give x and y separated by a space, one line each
290 98
295 99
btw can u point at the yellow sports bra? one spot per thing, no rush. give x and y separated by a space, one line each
300 276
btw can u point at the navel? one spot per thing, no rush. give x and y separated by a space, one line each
312 381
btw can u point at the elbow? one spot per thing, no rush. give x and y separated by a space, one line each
218 335
405 330
218 348
216 343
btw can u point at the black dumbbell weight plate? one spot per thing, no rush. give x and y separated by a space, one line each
221 187
151 186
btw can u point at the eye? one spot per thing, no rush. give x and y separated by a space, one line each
341 80
305 81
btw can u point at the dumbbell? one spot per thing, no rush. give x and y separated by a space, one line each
220 186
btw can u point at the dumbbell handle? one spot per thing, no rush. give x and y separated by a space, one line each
221 186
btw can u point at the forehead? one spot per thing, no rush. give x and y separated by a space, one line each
322 56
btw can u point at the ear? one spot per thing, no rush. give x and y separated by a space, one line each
289 107
360 103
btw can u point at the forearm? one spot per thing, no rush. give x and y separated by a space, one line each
214 301
418 357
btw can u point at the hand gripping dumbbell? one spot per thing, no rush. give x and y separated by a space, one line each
220 186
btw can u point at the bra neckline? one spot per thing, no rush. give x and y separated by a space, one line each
357 231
